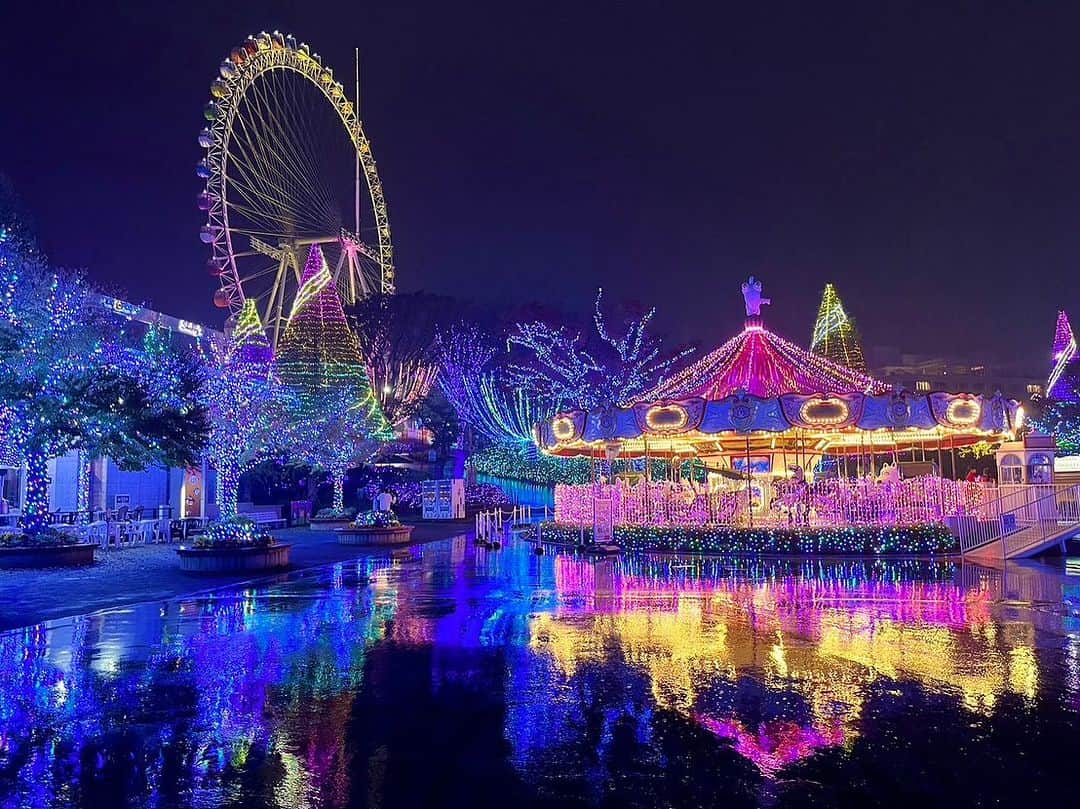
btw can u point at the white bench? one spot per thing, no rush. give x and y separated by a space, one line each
269 518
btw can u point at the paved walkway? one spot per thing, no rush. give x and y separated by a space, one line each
150 572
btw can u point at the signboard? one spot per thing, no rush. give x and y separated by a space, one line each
443 499
603 521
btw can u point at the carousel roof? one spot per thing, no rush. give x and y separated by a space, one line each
762 363
758 386
826 422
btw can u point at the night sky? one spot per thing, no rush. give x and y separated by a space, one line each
927 162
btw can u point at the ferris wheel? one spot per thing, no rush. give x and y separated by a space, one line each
286 157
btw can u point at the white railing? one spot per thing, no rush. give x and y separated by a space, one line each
1022 517
493 524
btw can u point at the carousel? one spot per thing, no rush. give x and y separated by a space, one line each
764 432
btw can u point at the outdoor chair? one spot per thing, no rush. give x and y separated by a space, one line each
115 533
97 532
144 531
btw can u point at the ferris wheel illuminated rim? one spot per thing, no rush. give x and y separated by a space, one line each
361 270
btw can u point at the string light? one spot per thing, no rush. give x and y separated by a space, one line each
763 364
916 540
563 372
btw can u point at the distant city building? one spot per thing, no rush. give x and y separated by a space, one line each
926 372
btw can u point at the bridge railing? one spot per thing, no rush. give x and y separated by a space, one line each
1021 517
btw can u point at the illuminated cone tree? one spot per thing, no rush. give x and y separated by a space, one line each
1061 414
835 336
337 413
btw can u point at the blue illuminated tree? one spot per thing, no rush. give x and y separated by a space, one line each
72 379
250 409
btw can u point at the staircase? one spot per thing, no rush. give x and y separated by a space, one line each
1021 522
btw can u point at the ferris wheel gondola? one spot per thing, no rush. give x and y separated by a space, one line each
286 159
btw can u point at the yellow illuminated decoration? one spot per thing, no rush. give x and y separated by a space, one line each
688 640
963 412
824 412
563 428
667 418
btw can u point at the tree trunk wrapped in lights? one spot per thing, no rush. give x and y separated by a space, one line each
249 407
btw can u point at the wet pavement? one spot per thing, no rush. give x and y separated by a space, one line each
446 675
152 572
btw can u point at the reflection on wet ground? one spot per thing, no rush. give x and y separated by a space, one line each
449 675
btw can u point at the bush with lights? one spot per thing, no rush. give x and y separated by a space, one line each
915 540
335 513
376 519
233 532
45 538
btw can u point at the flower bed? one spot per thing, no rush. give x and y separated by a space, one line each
375 528
917 540
329 518
44 549
231 545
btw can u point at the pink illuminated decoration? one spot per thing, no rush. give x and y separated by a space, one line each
825 503
775 744
631 583
763 364
1065 376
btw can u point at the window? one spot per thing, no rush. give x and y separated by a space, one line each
1034 390
922 385
1011 471
1040 469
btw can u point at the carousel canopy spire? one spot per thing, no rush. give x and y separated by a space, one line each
762 363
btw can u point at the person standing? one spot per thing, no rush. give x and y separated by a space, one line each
384 501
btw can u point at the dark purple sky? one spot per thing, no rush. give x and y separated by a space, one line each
925 161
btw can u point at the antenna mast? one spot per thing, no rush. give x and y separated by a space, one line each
356 198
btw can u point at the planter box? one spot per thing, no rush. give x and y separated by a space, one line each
230 560
374 535
49 556
328 525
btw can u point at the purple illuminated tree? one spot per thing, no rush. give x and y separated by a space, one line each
1060 416
565 369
